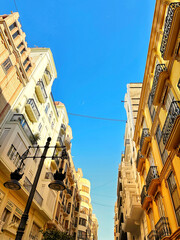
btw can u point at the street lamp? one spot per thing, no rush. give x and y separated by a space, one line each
57 184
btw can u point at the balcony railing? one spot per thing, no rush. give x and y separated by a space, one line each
162 228
152 235
174 112
139 156
143 194
145 133
152 174
167 26
159 68
28 185
20 118
32 110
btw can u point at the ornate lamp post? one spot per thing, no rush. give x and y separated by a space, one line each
57 184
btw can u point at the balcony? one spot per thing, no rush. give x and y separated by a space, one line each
171 128
68 143
152 235
160 75
171 30
145 139
135 207
22 121
145 198
47 76
152 180
32 110
41 92
63 128
162 228
28 185
68 193
140 161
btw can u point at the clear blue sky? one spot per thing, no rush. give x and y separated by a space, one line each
98 46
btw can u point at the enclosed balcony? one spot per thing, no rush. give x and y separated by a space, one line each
68 193
47 76
145 198
68 143
162 228
171 30
171 128
28 185
20 119
41 92
152 180
63 128
160 75
140 161
32 110
145 139
152 235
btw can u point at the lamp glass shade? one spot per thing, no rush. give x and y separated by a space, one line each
57 185
12 184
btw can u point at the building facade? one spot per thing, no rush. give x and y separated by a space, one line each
15 62
30 118
130 221
157 130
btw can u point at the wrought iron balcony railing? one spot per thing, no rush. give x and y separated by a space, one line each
28 185
167 26
34 107
174 112
145 133
143 194
152 174
20 118
139 156
159 68
41 84
162 228
152 235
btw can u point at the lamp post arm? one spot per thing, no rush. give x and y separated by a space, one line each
24 217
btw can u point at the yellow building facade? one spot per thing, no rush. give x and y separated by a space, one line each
15 63
157 130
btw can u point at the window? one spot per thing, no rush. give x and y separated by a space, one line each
39 127
14 155
20 45
47 108
163 151
34 232
151 107
15 219
15 34
24 63
6 65
160 206
12 26
174 195
85 189
151 218
85 199
5 216
28 67
169 100
82 221
81 234
22 51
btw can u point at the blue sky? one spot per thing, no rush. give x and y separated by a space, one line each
98 46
